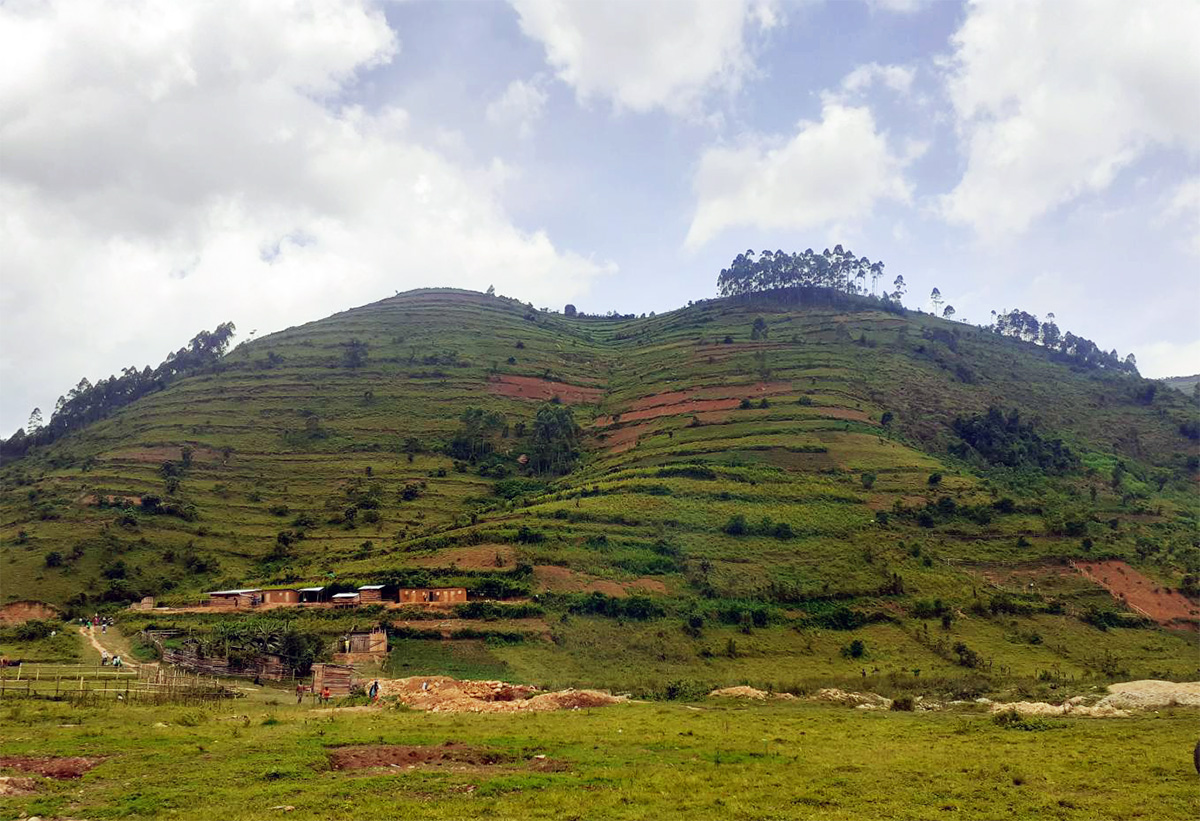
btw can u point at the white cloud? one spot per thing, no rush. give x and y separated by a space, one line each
644 56
1053 100
519 108
830 171
898 78
1157 360
193 165
900 6
1183 207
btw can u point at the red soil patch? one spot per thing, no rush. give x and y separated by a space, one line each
477 557
649 586
159 455
19 612
49 766
397 755
738 392
623 439
529 387
554 579
848 414
1144 595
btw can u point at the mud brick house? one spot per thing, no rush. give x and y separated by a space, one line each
281 596
436 595
344 599
234 599
354 648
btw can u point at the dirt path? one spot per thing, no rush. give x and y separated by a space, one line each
116 646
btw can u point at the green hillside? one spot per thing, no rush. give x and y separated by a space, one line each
746 499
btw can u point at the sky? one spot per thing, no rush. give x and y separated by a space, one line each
166 166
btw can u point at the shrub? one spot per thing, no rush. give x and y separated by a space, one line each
736 526
868 480
1012 720
854 650
903 704
935 479
54 559
745 405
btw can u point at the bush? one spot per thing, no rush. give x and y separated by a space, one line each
1012 720
903 704
935 479
854 650
736 526
54 559
868 480
745 404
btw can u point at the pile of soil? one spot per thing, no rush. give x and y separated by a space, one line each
861 701
49 766
15 785
442 694
747 692
1070 707
1153 600
19 612
1150 694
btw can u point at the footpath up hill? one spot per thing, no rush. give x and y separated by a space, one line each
746 461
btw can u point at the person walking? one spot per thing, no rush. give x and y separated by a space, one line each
325 695
103 658
373 693
300 688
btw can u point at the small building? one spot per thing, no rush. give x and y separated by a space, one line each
370 593
360 647
281 596
436 595
344 599
310 595
338 678
232 599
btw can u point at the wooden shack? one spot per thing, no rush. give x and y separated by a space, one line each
310 595
233 599
436 595
344 599
370 593
354 648
281 596
338 678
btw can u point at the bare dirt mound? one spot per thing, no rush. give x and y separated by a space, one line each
49 766
15 785
1150 694
442 694
862 701
19 612
529 387
747 692
1144 595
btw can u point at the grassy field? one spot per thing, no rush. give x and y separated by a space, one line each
708 760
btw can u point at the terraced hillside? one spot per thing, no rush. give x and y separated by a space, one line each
749 499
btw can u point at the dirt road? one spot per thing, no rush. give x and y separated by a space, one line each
114 645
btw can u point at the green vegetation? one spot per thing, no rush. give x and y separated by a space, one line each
773 760
781 474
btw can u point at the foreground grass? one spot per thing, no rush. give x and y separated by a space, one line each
727 760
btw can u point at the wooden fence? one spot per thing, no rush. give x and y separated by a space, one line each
86 683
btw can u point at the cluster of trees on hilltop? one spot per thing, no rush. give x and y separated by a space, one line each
87 403
1077 350
838 270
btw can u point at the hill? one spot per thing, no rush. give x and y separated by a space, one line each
747 489
1187 384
